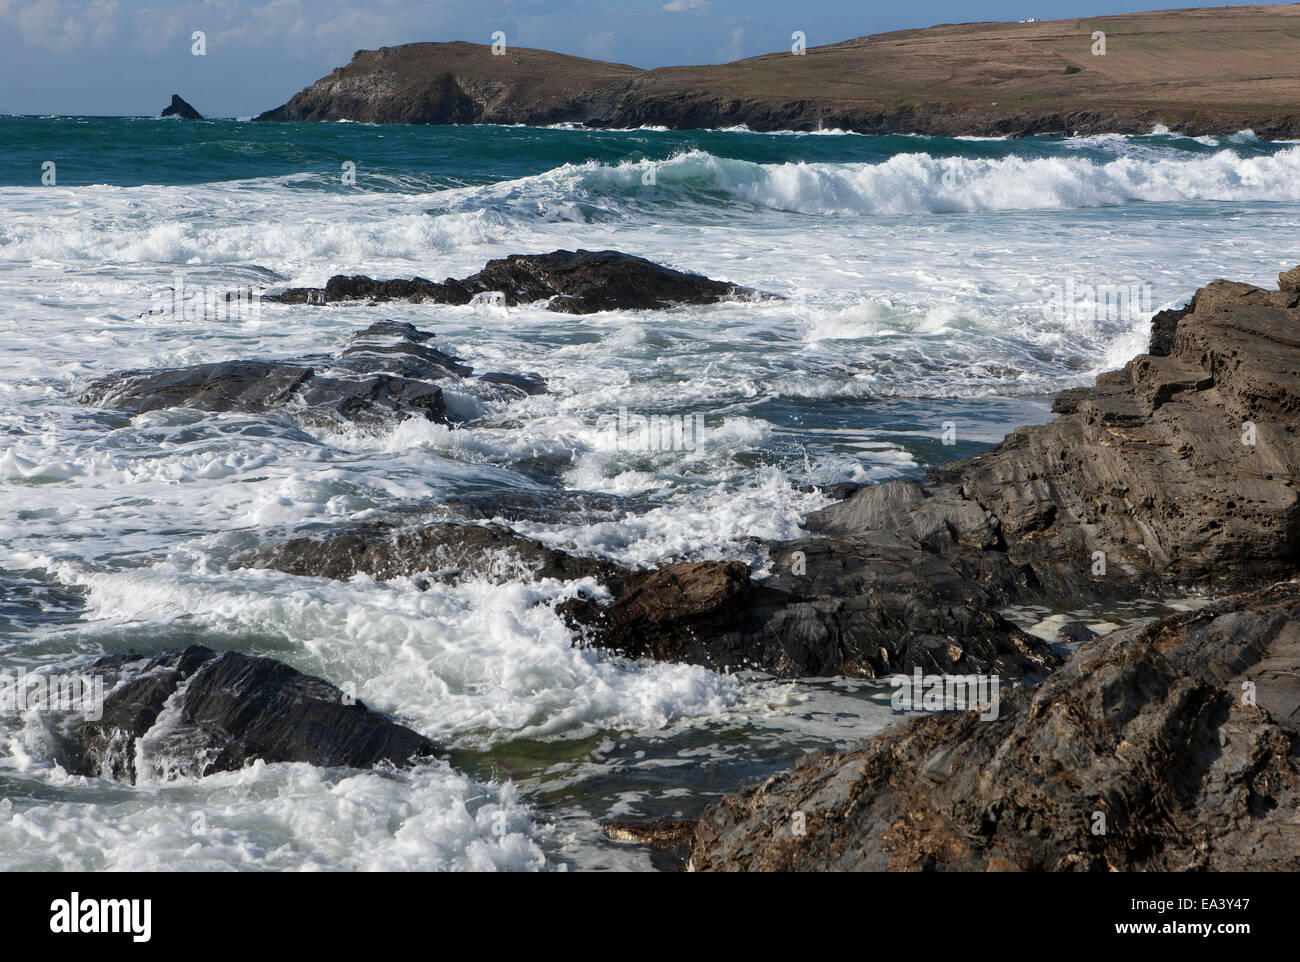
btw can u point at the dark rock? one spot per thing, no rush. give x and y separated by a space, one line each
1074 633
677 612
384 373
194 712
447 551
179 108
261 386
1183 735
573 282
1163 326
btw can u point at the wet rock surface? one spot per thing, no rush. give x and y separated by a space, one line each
447 551
385 372
1177 471
863 614
195 712
1180 739
572 282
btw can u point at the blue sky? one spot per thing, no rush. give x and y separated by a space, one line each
128 56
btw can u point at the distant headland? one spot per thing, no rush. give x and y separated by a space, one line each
1201 71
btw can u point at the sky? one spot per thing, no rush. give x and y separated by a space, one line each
130 56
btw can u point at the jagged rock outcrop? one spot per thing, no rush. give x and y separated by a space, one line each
1176 473
1181 468
385 372
179 108
861 608
195 712
1173 747
572 282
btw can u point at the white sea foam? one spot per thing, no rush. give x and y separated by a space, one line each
267 817
470 663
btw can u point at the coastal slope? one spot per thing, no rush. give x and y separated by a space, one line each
1202 71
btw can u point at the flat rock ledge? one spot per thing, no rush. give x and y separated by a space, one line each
1175 747
570 282
387 372
194 712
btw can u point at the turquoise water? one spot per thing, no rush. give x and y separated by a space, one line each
134 151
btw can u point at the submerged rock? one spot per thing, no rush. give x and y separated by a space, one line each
194 712
448 551
670 836
1167 748
572 282
179 108
384 373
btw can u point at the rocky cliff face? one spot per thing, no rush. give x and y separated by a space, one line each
1179 470
456 83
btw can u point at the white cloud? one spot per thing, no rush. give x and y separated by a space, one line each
49 25
679 6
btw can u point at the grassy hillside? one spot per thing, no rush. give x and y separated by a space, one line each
1204 70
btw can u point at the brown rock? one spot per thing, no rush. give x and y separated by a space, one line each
1179 740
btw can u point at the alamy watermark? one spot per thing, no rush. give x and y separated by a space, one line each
934 693
28 691
1081 301
655 432
202 302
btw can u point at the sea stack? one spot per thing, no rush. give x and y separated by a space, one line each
179 108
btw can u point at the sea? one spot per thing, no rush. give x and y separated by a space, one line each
933 294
